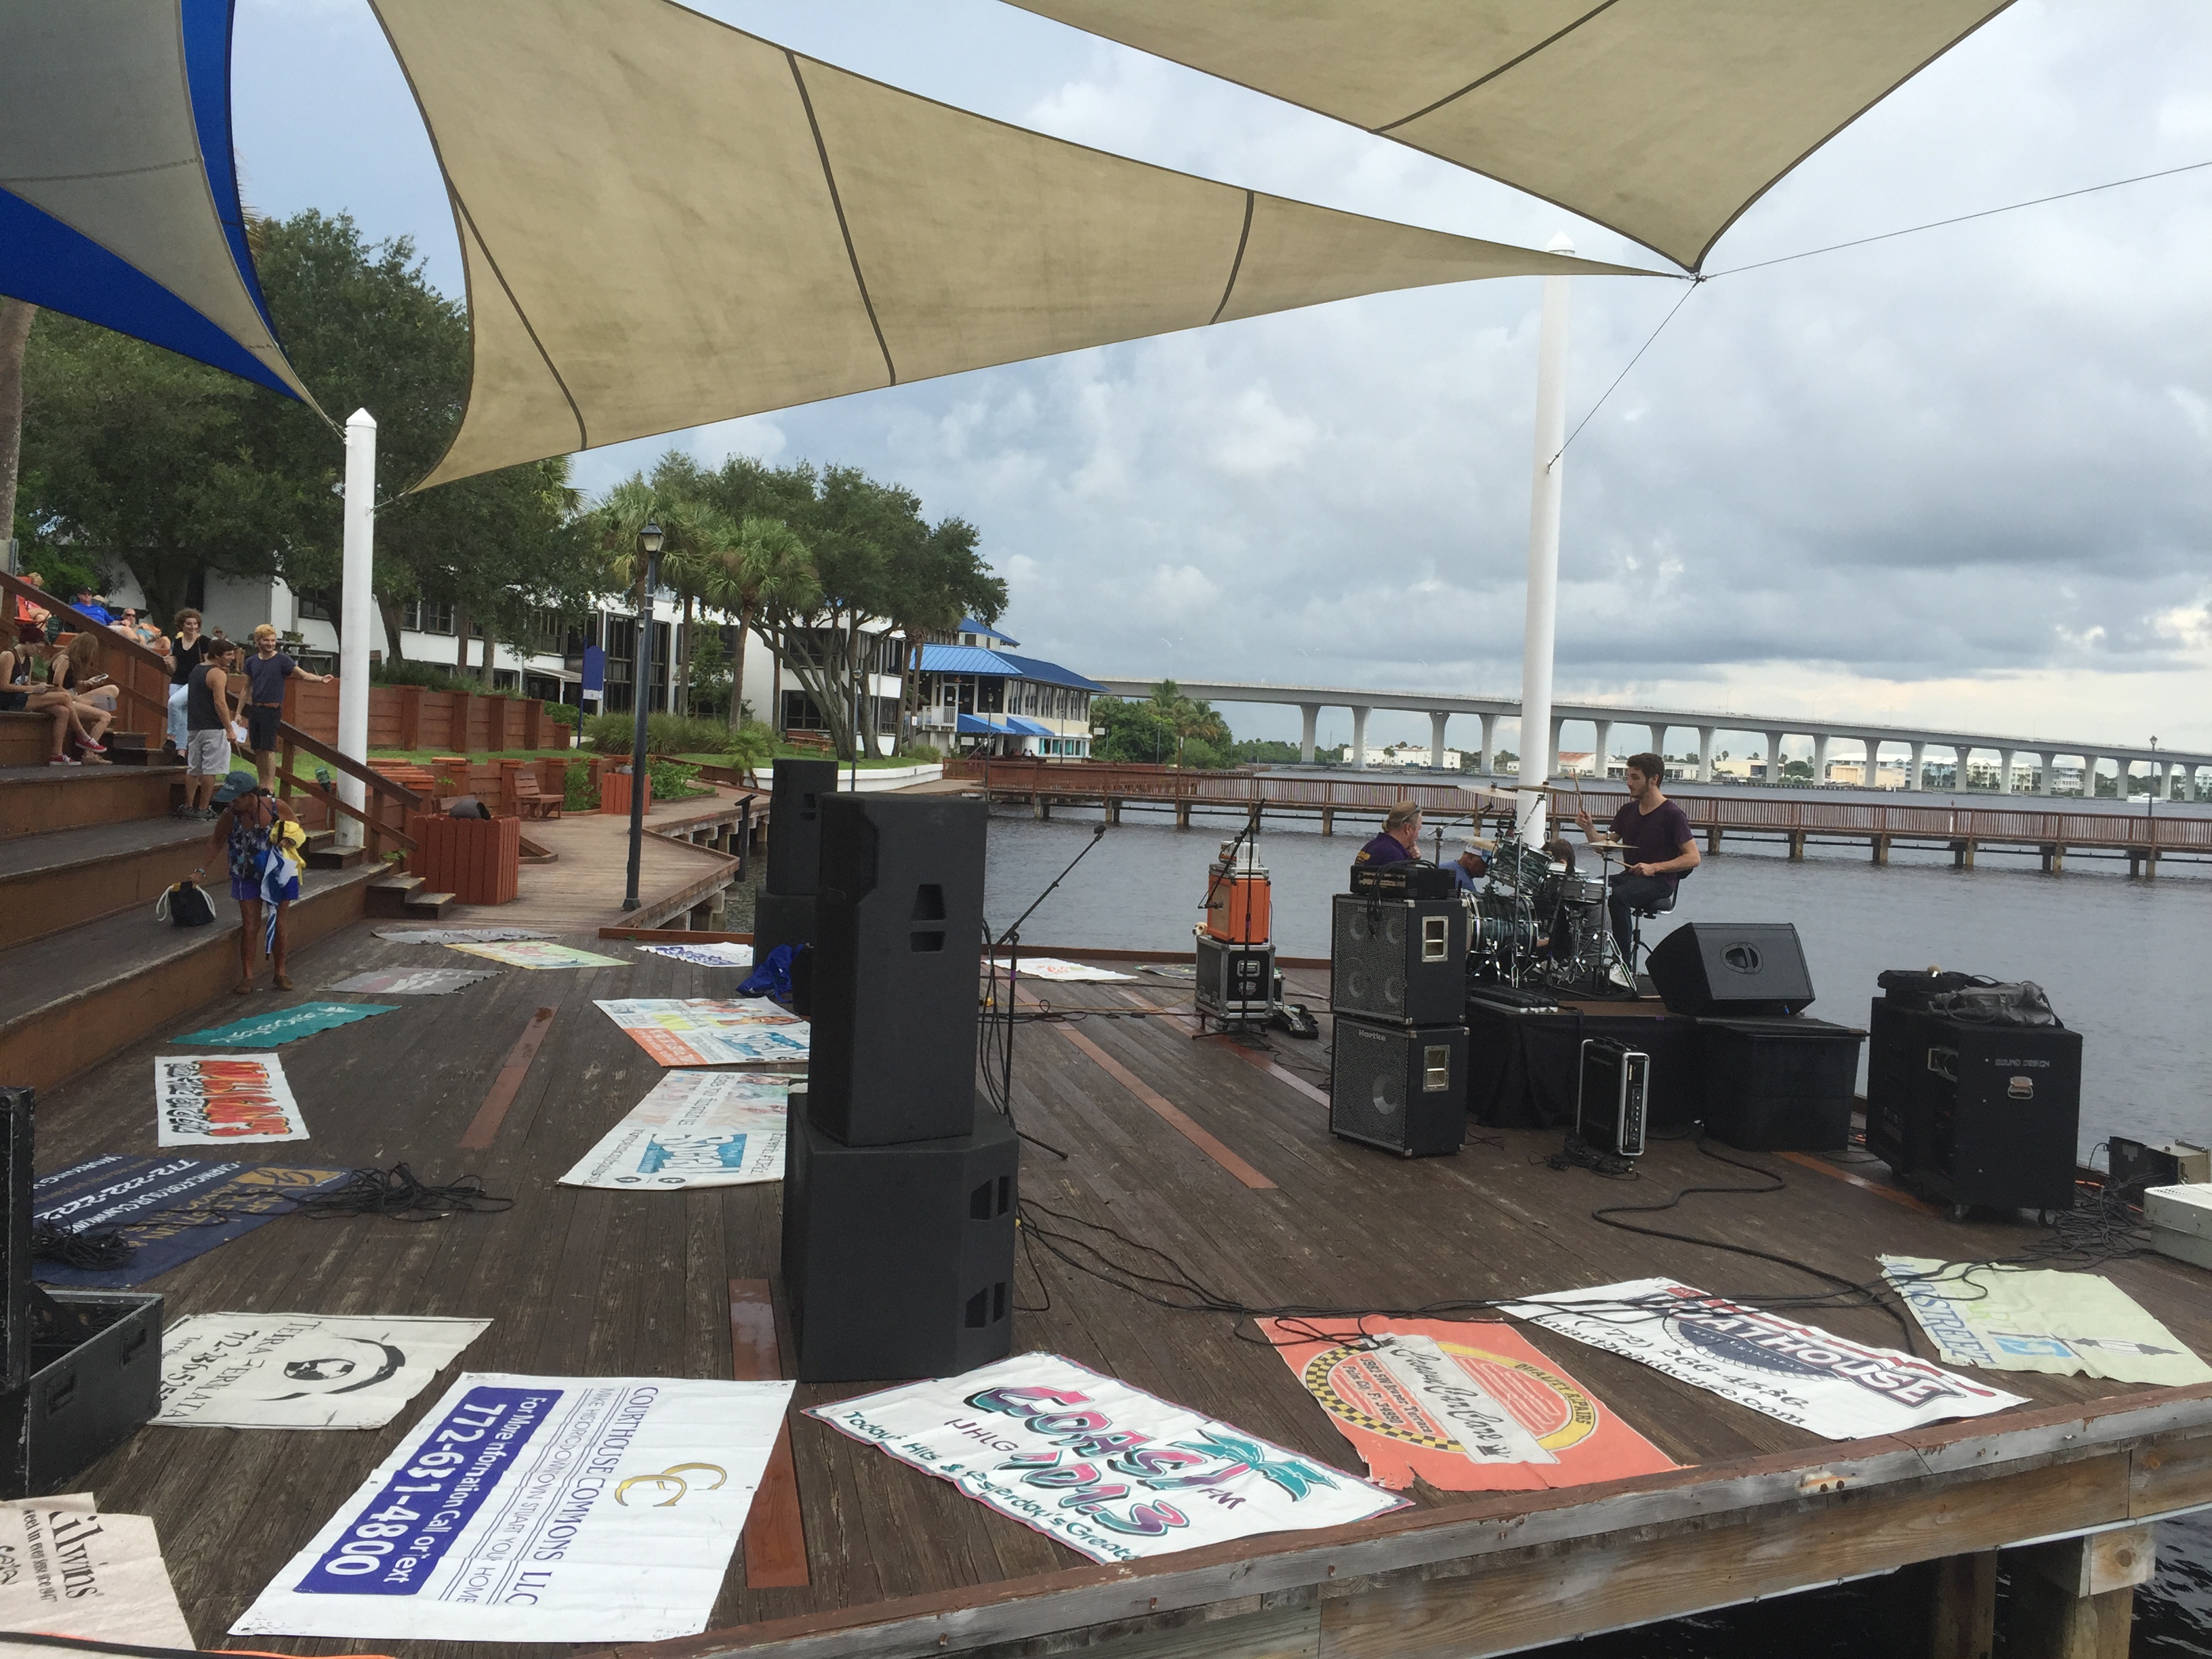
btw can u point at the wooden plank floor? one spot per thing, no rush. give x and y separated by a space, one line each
582 890
585 1282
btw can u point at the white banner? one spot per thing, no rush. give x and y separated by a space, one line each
245 1370
2037 1319
218 1100
701 1031
693 1129
720 954
1111 1471
1839 1389
458 935
539 1509
1067 972
67 1570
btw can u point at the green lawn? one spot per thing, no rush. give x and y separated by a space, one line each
783 754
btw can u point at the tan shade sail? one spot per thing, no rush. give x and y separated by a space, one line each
1663 120
668 221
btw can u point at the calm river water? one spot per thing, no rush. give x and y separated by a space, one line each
2129 963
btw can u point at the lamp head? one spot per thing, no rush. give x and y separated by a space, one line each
649 539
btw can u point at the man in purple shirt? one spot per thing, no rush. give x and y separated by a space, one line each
1399 840
1660 850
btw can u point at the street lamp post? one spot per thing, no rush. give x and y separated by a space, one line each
2151 794
648 543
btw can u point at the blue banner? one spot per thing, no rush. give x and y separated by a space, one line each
397 1537
283 1025
169 1209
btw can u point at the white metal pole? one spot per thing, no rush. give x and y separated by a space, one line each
1537 760
357 618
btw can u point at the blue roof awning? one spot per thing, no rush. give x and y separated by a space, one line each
971 726
1021 728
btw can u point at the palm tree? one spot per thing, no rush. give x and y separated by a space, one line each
765 566
698 539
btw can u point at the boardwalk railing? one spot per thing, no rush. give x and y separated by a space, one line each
1960 829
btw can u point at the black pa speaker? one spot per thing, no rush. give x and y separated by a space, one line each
1732 969
794 825
781 918
1977 1114
898 927
898 1261
1400 959
1403 1087
1776 1085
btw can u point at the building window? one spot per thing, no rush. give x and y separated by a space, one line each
319 605
425 616
800 713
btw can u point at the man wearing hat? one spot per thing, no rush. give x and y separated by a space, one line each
1470 867
1399 840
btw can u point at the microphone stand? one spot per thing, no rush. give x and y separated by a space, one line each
1011 943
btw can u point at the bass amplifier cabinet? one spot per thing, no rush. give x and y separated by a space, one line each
899 928
898 1261
1401 1087
1612 1097
794 824
1778 1085
1731 968
1399 959
1976 1113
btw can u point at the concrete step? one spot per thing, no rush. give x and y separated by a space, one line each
52 883
36 799
74 998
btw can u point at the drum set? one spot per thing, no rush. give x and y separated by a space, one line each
1537 922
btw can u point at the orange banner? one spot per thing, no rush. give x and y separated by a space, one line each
1466 1406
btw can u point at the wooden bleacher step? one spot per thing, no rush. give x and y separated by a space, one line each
405 896
324 852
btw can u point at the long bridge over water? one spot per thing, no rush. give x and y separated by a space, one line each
2168 770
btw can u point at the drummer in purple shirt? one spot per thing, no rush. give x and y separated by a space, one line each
1660 850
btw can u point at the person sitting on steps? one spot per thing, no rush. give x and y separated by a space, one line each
66 696
14 671
249 833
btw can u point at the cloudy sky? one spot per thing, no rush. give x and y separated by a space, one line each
1962 478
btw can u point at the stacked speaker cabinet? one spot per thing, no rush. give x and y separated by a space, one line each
783 911
1740 970
899 1194
1398 985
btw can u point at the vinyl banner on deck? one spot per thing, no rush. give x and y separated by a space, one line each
2068 1324
700 1031
67 1570
283 1025
252 1370
1839 1389
718 954
693 1129
1467 1407
1067 972
200 1101
168 1209
414 981
1111 1471
538 953
539 1509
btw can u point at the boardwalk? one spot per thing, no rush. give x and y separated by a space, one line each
1156 1126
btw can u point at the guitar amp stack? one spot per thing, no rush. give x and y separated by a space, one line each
1398 978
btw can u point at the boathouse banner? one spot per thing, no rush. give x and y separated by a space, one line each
1467 1407
167 1210
539 953
539 1509
1839 1390
202 1101
2067 1324
414 981
693 1129
701 1032
68 1569
260 1371
1111 1471
720 954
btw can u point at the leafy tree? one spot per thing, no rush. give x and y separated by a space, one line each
1263 751
173 468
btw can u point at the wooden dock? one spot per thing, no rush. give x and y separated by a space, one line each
1797 818
1216 1151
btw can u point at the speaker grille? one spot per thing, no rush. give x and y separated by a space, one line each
1369 1098
1399 959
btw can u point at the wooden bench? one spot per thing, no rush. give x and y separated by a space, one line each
526 796
813 743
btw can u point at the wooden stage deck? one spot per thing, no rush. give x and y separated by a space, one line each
1220 1154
